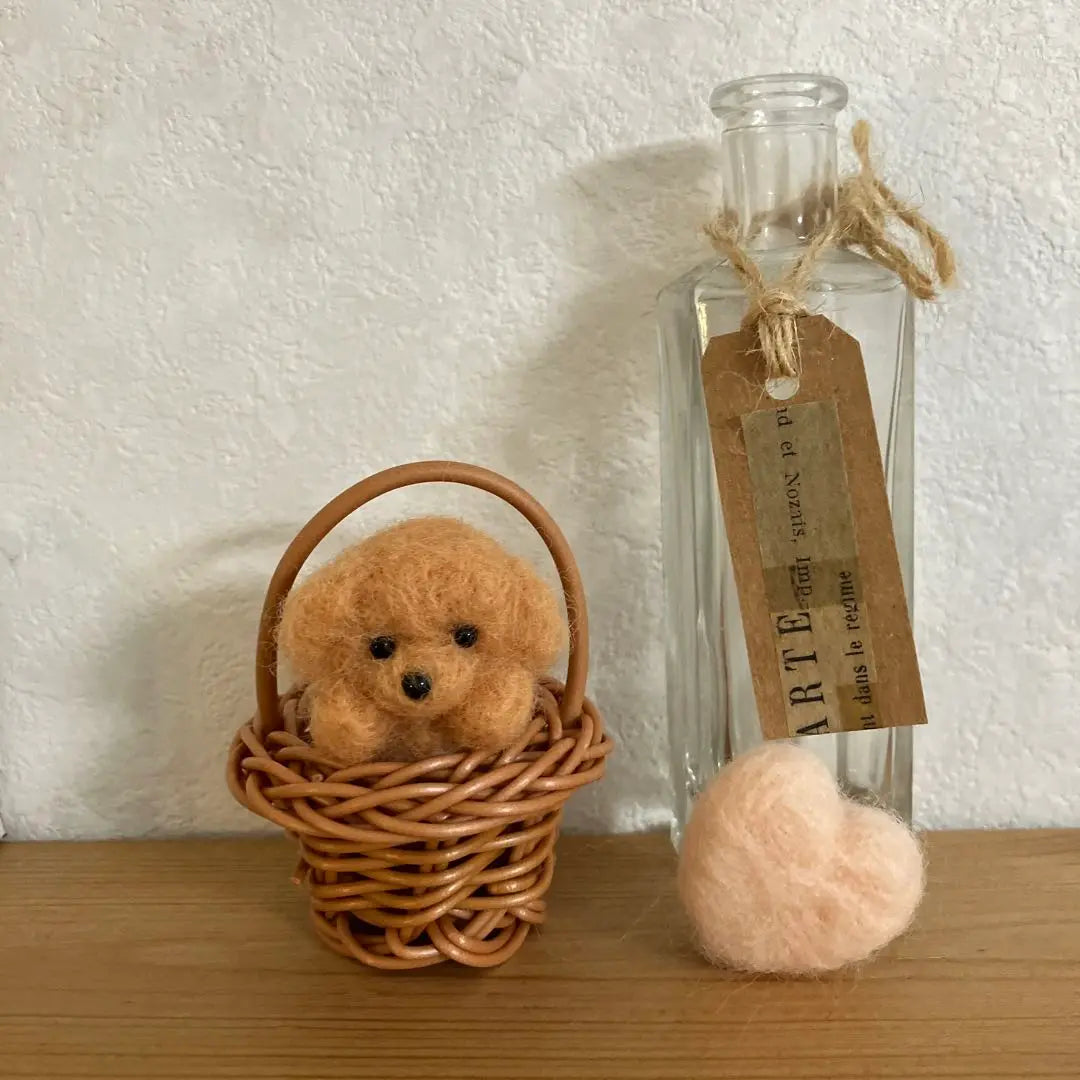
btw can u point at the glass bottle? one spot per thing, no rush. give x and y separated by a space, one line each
779 181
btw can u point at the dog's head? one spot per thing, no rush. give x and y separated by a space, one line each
413 617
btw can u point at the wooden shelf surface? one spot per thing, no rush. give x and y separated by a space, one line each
193 959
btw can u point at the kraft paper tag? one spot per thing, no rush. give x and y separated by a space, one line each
808 523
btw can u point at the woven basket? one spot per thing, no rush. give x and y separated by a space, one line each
449 858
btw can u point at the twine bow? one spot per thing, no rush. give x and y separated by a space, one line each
865 210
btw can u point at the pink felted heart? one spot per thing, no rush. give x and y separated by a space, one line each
779 872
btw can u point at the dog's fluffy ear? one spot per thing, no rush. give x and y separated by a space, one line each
536 625
314 628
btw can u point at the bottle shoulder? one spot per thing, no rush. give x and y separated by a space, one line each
840 270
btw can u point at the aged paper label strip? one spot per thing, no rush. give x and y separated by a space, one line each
808 523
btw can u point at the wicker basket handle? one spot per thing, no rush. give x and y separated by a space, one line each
268 717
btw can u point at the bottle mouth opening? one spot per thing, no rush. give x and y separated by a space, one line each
763 100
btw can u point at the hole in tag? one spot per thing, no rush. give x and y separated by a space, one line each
782 388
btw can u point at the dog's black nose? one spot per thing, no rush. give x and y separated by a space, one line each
416 685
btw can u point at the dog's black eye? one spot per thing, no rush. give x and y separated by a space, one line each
382 648
465 636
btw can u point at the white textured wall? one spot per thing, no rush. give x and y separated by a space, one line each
254 249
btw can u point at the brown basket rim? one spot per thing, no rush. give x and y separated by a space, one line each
550 759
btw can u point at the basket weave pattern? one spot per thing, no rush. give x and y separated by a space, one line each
449 858
443 859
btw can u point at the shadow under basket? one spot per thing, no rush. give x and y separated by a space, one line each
448 858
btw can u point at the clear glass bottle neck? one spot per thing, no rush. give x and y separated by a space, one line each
779 181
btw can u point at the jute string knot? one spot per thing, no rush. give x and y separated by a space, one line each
866 209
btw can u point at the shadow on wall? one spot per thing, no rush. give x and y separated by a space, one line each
588 440
182 677
181 670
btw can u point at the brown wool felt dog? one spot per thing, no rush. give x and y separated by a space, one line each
425 638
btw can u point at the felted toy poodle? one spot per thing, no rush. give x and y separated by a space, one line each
427 637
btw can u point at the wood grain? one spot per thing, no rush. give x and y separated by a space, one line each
185 959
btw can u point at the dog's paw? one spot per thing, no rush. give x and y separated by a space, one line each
497 712
346 728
